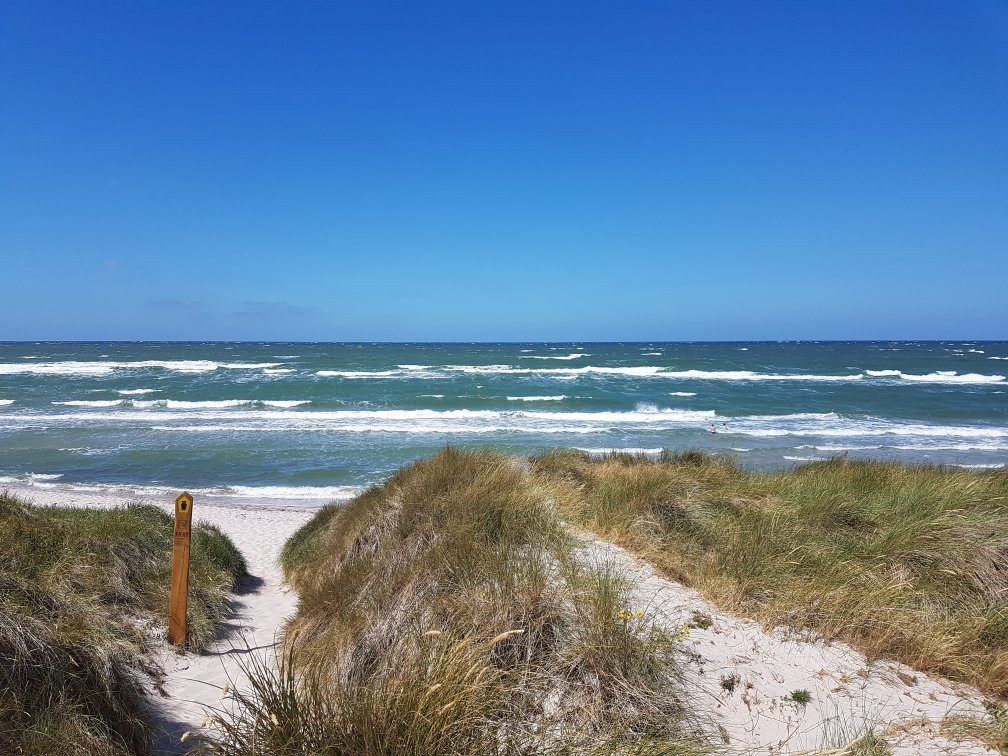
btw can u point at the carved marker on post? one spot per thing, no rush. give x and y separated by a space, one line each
180 570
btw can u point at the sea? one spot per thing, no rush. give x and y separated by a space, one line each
310 423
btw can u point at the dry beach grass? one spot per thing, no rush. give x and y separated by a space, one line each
472 604
83 593
908 562
442 612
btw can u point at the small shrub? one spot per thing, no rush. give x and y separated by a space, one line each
730 682
701 620
800 697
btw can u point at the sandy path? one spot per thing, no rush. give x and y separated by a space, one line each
848 695
262 604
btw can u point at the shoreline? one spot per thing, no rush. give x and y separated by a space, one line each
118 494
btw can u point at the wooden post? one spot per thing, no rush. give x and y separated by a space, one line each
180 570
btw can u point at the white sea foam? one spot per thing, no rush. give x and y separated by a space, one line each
569 373
997 358
6 402
924 445
557 398
829 425
743 349
138 392
291 493
74 367
230 418
220 403
988 466
318 494
38 480
93 403
574 356
358 373
277 371
433 396
651 354
804 459
604 452
748 375
182 404
940 376
682 393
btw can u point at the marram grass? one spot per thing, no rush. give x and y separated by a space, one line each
79 588
901 561
444 613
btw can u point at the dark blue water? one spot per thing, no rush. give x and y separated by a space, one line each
315 421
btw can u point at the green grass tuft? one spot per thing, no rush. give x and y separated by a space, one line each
78 588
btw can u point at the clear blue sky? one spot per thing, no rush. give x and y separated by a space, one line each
504 171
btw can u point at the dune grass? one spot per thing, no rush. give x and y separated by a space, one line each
82 591
902 561
444 613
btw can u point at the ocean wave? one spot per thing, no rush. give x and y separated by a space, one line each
221 403
634 450
987 466
573 356
655 371
290 493
997 358
651 354
804 459
277 371
215 495
182 404
748 375
231 418
358 373
6 402
557 398
940 376
138 392
682 393
931 445
774 426
74 367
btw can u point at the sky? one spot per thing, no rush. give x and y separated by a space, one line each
504 171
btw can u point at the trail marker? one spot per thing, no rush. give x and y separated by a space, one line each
179 603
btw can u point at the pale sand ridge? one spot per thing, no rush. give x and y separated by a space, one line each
848 695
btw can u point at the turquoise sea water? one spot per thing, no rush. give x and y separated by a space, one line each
283 421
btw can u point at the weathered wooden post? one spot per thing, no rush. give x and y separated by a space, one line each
179 603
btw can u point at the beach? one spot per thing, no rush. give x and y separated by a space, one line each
849 693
